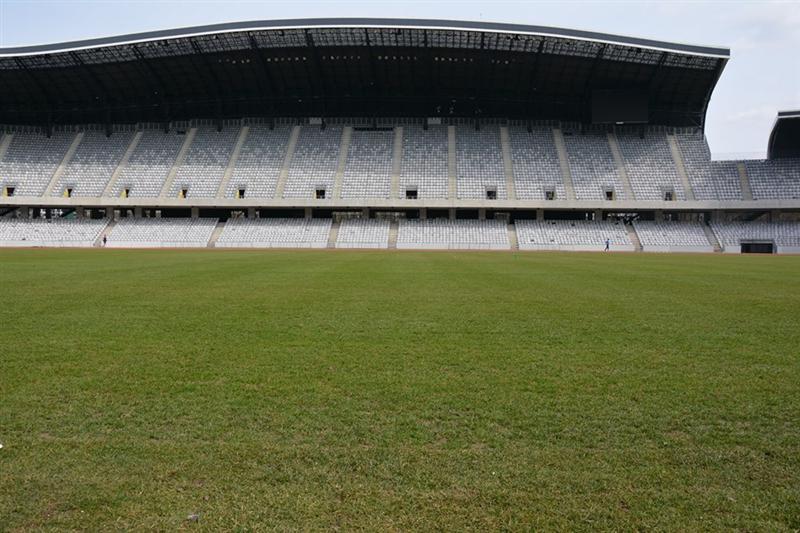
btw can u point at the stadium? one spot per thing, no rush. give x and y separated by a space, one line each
415 134
383 366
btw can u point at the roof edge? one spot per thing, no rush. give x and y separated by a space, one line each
497 27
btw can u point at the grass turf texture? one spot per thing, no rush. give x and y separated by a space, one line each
317 390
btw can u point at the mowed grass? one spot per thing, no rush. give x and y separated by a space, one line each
398 391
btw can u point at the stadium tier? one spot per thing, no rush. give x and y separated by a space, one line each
525 137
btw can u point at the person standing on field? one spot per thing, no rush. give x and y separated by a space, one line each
608 245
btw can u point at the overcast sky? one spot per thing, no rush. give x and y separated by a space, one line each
762 76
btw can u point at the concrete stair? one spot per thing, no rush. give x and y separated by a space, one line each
452 186
393 229
680 167
334 234
237 149
63 165
287 162
397 160
212 242
508 164
712 239
344 148
634 237
563 159
619 162
512 237
187 143
744 182
98 243
5 142
122 163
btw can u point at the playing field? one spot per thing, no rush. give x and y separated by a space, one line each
376 390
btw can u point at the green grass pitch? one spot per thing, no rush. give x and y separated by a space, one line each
398 391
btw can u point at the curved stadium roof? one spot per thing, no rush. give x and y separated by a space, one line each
353 67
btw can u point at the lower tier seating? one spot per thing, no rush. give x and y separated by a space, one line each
161 233
572 235
56 232
670 236
442 234
784 235
363 233
275 233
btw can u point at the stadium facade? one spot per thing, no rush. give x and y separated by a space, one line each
381 133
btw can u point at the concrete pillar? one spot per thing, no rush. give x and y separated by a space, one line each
25 212
451 214
598 214
423 213
774 215
482 214
79 213
540 214
195 212
137 212
365 212
659 216
110 212
251 212
308 213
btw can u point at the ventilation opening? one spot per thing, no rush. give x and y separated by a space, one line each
183 193
240 192
319 194
550 194
609 194
9 191
669 195
126 192
491 194
68 192
411 194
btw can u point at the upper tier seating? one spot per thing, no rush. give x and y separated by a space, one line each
149 164
424 163
453 234
710 181
93 163
363 233
536 165
650 166
668 236
368 171
31 160
260 162
785 235
205 163
573 235
479 163
592 166
774 179
162 233
315 161
275 233
56 232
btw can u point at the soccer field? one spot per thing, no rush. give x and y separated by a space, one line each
377 390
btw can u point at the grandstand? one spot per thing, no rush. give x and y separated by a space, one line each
269 159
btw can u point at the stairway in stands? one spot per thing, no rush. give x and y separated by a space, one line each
712 238
98 243
637 244
393 229
334 234
512 237
212 242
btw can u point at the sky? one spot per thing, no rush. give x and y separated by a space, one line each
762 77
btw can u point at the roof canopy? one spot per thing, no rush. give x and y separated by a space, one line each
784 140
353 67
